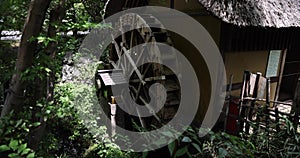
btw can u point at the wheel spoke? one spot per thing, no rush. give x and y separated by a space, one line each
151 110
126 52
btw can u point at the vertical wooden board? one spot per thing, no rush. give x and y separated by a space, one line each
296 103
261 87
252 83
281 69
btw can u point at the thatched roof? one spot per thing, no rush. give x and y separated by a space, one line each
265 13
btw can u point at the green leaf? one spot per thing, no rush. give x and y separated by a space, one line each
196 146
13 155
39 105
48 112
186 139
45 118
171 147
145 154
36 124
47 70
26 129
13 144
181 151
18 123
22 147
41 38
4 148
25 151
31 155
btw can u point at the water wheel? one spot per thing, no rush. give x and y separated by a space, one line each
124 55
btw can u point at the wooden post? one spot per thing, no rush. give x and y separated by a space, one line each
172 4
113 111
282 63
244 93
268 91
277 119
252 103
296 104
267 114
228 103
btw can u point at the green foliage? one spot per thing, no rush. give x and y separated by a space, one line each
263 143
13 136
107 150
16 149
222 145
13 14
95 9
69 135
282 143
213 145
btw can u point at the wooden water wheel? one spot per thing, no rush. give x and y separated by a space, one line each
123 55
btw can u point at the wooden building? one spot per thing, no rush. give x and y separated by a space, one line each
258 36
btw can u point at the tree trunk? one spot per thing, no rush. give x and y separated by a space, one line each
32 28
56 16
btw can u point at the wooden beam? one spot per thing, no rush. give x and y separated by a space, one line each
238 86
282 63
